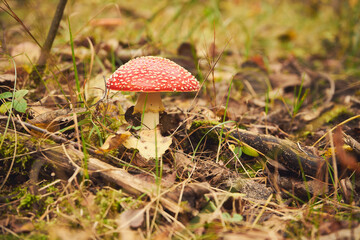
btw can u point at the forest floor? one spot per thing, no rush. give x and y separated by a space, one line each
268 148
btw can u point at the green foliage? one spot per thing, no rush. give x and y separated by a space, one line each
101 207
235 218
17 101
200 127
299 100
28 200
249 151
8 152
252 169
8 237
241 148
238 151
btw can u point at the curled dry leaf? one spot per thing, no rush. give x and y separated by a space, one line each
51 119
113 142
346 160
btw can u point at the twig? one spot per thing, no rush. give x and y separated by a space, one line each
352 142
331 130
52 32
9 231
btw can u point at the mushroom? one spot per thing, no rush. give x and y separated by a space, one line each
151 75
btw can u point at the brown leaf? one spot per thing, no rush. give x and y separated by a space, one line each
258 60
94 88
63 233
344 233
17 224
24 227
50 120
26 53
113 142
7 79
254 80
164 234
131 218
252 234
344 158
168 179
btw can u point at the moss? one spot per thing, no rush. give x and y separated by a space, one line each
325 118
7 152
202 128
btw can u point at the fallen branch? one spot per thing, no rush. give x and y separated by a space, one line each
66 158
289 154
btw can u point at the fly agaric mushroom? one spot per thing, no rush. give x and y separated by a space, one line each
150 76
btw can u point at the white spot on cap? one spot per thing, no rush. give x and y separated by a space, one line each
134 74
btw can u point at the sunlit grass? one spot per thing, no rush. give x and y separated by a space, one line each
252 26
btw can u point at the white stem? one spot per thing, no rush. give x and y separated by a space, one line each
150 113
150 119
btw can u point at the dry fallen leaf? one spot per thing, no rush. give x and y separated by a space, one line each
7 78
95 88
51 119
252 234
147 141
113 142
127 221
345 233
62 233
345 159
131 218
25 53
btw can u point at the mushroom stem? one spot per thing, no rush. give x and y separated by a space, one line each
150 113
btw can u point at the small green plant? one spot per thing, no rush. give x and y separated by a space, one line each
234 218
17 101
28 200
243 148
299 99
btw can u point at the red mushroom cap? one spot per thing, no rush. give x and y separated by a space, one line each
152 74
